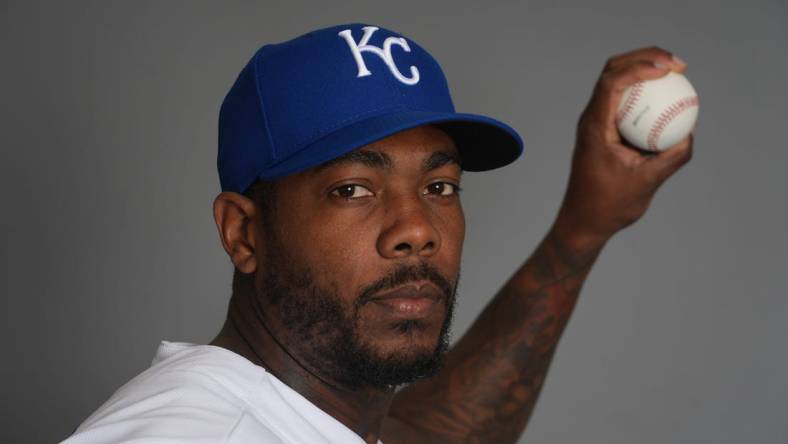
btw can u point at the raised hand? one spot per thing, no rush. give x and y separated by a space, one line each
612 183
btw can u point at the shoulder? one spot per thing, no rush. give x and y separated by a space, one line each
194 394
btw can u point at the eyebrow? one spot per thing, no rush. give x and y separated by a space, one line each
441 158
372 159
378 160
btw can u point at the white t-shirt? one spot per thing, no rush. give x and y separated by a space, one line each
202 394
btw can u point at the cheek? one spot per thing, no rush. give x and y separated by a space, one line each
453 234
338 256
460 226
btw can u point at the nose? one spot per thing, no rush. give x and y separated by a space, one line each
410 230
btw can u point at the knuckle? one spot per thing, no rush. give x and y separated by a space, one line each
608 80
654 52
607 77
662 52
656 49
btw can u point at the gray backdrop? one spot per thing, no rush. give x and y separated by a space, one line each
109 117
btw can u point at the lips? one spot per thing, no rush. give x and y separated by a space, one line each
412 301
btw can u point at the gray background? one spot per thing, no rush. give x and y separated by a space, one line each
109 115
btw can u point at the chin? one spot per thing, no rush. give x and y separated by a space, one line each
407 339
393 353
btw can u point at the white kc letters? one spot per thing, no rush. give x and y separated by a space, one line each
384 53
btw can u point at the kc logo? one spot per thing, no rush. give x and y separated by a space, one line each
384 53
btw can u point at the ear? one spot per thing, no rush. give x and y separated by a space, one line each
235 217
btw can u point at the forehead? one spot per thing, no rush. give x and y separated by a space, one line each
427 145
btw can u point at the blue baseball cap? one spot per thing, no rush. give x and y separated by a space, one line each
303 102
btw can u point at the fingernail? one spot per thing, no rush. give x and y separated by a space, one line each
660 65
678 60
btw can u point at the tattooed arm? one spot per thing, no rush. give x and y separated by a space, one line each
492 377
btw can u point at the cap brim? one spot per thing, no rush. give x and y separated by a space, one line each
483 143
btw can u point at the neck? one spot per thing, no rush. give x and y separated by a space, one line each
248 334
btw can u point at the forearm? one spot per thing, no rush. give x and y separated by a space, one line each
492 377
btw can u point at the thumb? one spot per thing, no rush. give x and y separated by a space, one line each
665 163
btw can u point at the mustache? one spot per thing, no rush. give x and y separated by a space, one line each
404 274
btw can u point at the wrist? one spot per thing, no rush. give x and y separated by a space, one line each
577 235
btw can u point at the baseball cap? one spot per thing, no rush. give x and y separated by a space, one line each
303 102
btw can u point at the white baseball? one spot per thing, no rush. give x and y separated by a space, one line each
656 114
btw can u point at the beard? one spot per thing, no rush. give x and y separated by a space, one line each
326 335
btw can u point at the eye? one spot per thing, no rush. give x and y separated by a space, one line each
351 191
444 189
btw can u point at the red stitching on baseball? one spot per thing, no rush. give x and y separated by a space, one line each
629 104
666 117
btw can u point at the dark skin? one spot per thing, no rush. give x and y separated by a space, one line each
406 213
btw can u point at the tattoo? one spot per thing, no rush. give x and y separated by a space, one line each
487 390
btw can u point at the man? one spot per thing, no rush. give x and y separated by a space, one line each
340 158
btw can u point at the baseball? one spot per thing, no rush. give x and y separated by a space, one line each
656 114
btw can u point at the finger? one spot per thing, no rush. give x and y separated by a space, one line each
665 163
609 89
649 54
